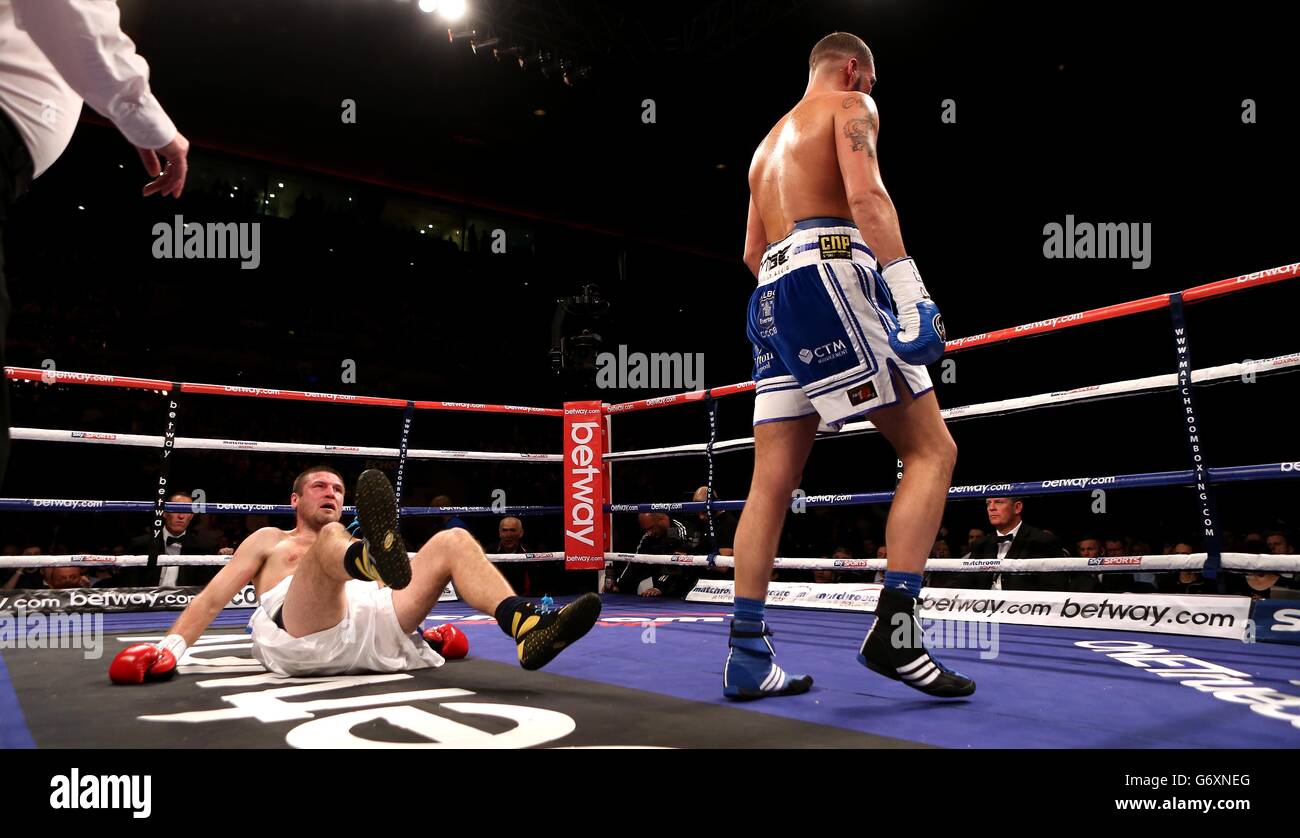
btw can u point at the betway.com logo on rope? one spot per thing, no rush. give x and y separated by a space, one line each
1049 322
1078 482
59 375
1284 269
251 391
67 504
333 397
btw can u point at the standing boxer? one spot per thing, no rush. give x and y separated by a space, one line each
828 347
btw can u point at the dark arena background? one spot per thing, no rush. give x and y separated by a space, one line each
485 209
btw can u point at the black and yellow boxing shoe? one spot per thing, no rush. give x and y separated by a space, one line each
541 631
381 555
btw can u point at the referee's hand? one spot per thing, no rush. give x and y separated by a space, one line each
168 179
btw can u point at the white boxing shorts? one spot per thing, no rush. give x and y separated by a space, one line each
821 341
368 639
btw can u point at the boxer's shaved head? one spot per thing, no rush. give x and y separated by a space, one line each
841 45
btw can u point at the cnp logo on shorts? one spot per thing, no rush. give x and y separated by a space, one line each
836 246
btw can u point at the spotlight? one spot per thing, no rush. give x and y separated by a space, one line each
452 10
483 43
454 35
429 6
497 53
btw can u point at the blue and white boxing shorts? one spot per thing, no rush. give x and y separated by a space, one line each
820 340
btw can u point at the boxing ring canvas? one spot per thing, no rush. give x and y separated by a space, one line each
648 676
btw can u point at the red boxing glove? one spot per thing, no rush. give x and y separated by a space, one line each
140 663
448 641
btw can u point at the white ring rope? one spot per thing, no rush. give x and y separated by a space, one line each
1080 394
1189 561
199 443
93 560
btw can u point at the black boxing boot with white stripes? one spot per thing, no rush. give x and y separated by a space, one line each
751 671
894 648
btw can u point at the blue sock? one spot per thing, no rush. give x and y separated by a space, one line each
749 609
911 582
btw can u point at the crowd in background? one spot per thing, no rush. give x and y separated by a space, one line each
845 538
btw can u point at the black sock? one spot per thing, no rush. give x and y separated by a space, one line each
896 616
357 563
894 600
510 608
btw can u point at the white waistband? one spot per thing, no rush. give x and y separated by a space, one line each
811 246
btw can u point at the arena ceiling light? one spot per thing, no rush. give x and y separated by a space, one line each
451 10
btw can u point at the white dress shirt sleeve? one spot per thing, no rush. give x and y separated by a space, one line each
84 41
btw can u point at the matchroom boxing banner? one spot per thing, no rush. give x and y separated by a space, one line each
584 486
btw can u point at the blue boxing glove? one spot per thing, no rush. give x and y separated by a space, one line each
917 335
354 528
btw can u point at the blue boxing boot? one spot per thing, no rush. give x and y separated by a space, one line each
751 671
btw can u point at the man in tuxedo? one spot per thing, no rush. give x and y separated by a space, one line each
1012 538
179 539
